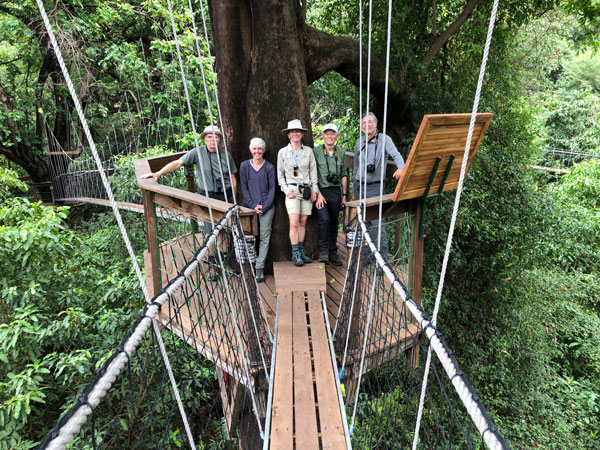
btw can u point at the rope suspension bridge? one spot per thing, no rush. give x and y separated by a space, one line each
316 357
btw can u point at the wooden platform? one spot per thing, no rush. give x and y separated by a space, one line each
306 412
288 277
334 277
192 311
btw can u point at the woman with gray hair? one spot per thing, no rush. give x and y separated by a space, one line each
258 192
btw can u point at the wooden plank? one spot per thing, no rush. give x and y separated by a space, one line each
147 199
282 416
330 416
269 298
304 398
288 277
103 202
184 199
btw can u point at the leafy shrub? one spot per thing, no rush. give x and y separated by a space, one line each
66 301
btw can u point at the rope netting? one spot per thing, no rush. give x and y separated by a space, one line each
217 341
381 341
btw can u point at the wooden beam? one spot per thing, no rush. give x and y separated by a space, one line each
188 202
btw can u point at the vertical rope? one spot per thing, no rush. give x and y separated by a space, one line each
463 168
385 106
116 212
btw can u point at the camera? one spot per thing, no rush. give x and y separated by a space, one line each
370 168
305 190
333 179
218 185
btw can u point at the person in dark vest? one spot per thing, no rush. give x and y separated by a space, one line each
211 161
333 184
215 170
257 178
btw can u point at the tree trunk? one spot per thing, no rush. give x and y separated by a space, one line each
262 85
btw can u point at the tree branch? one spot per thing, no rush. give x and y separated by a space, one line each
324 52
449 32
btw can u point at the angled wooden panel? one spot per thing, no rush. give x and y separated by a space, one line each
440 135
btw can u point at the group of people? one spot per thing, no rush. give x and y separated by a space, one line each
306 176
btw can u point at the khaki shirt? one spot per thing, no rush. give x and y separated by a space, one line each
306 172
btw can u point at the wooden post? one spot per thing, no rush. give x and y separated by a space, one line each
148 201
416 269
232 398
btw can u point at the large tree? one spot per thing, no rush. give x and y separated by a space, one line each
267 55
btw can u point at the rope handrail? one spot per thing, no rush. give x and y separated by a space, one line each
69 425
465 391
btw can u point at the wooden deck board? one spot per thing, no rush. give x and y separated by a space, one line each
304 365
304 397
282 416
288 277
330 416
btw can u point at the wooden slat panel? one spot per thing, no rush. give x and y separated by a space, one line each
269 298
282 417
332 428
304 398
439 135
288 277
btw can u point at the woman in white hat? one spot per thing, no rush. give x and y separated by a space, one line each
215 167
297 177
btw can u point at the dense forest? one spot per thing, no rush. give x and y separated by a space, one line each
521 303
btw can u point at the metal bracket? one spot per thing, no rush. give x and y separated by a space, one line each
426 195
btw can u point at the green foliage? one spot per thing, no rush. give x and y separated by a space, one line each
9 179
573 121
124 181
582 184
66 301
582 72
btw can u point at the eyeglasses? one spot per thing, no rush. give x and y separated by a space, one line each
296 171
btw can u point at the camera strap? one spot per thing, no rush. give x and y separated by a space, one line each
366 145
211 157
327 157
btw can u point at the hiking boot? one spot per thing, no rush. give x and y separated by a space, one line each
305 258
260 275
297 258
323 255
334 258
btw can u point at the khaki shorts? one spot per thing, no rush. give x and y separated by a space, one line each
298 205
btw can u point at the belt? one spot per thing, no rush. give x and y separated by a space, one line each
372 182
292 184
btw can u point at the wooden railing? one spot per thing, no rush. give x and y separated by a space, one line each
189 204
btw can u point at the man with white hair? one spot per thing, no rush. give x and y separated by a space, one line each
211 161
368 169
215 171
333 193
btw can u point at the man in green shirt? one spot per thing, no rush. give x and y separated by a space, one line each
214 166
333 184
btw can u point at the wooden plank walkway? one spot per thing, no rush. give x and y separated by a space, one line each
306 412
